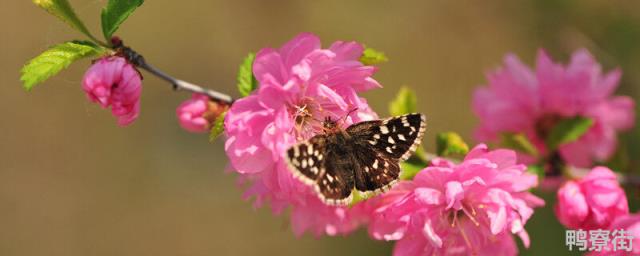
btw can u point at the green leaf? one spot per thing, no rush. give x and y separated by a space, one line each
410 169
55 59
448 143
63 11
246 81
414 164
568 130
357 197
371 56
518 142
537 170
116 12
404 103
218 127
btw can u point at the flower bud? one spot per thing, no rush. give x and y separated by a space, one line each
113 82
199 113
592 202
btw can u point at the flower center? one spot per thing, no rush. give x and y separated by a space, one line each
466 210
455 218
306 123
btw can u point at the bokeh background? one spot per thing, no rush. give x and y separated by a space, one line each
73 183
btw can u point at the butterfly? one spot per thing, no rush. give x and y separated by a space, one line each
365 156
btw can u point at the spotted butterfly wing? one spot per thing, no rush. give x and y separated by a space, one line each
365 156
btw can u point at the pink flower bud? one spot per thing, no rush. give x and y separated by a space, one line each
198 113
113 82
592 202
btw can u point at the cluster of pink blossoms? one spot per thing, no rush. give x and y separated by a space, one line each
471 208
474 207
299 84
521 100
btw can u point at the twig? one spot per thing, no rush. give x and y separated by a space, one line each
622 178
138 60
572 171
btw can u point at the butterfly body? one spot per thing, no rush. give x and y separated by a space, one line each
365 156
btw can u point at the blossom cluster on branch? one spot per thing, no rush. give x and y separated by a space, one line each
542 121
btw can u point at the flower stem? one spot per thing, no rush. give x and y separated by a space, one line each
184 85
138 60
570 172
576 172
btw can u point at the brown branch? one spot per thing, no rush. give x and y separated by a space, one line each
138 60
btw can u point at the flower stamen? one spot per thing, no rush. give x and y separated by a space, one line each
467 241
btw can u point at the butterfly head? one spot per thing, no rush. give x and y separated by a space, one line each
330 125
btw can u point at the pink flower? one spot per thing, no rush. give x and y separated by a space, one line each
522 100
630 225
299 84
468 208
592 202
113 82
198 113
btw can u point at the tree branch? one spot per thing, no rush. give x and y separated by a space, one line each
572 171
138 60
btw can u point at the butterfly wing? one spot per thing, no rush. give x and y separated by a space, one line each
368 159
375 172
380 146
395 137
335 186
320 164
306 159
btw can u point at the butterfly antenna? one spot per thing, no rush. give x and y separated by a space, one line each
344 118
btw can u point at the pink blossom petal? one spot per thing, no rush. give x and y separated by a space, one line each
298 48
431 235
347 51
269 65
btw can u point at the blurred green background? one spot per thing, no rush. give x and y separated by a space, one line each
73 183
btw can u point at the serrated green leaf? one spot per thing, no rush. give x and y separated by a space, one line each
568 130
63 11
246 81
518 142
218 127
371 56
56 58
405 102
448 143
115 13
